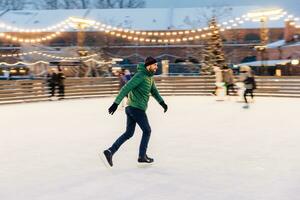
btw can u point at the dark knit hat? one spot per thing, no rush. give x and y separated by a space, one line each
149 61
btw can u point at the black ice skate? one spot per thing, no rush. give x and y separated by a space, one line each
145 159
108 156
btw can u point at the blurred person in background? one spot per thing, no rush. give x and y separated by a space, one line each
127 75
61 82
228 79
122 81
53 81
249 83
219 80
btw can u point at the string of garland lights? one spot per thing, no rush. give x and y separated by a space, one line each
293 21
23 63
74 21
270 14
113 31
113 61
59 29
289 18
46 62
163 37
63 23
120 32
47 55
140 35
31 40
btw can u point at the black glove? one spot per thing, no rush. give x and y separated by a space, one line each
112 108
165 106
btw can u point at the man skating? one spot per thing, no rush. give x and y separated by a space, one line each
247 77
138 89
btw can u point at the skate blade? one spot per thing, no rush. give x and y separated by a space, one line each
144 165
103 159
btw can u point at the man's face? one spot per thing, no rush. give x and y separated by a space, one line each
152 68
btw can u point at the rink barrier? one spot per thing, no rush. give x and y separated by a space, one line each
285 86
16 91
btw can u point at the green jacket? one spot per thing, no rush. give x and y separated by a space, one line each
139 88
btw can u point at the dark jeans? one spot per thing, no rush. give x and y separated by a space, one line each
61 90
229 87
134 116
52 89
248 91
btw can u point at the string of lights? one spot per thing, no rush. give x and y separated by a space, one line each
48 55
64 23
293 20
31 40
74 21
143 35
113 31
163 36
100 62
46 62
169 36
141 38
270 14
23 63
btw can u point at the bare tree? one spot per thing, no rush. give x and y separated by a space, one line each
102 4
64 4
131 3
217 12
12 4
120 4
206 56
70 4
205 14
50 4
84 4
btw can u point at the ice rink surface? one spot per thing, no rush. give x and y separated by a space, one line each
203 149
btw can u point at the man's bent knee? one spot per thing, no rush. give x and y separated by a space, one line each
128 134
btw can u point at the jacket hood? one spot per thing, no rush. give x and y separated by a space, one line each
141 68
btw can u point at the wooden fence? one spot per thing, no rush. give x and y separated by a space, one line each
37 90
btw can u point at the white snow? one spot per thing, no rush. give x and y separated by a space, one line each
203 149
276 44
282 44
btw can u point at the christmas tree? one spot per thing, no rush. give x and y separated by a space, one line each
213 54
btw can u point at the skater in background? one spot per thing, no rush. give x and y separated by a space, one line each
53 81
127 75
249 84
228 79
219 79
138 89
124 77
61 83
122 81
